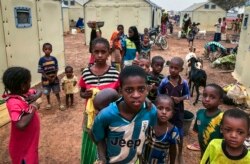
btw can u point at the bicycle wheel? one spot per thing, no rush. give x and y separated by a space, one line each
163 43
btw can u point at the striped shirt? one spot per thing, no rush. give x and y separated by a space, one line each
48 66
156 80
108 80
156 148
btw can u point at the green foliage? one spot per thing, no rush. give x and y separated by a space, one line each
228 4
2 101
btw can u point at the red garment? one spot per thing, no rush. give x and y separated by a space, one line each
163 29
23 144
109 79
114 42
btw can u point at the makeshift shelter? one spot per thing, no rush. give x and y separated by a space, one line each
206 13
139 13
24 27
66 21
75 8
241 72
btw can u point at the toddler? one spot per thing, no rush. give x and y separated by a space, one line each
69 82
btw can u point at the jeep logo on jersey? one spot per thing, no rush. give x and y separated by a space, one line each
129 143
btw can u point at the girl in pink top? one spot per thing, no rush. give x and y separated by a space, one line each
22 107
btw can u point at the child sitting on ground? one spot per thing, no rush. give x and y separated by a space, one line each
235 129
69 82
207 123
160 144
177 88
119 129
155 77
48 67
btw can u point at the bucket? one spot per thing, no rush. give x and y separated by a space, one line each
188 118
73 31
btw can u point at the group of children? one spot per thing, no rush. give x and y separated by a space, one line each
125 127
48 67
125 49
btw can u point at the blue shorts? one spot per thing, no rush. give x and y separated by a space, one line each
55 88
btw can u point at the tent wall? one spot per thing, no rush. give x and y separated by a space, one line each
129 13
241 72
3 58
66 19
75 12
23 46
206 17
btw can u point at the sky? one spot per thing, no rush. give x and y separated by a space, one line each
176 5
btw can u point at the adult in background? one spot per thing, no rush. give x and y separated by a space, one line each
116 47
79 23
186 23
95 33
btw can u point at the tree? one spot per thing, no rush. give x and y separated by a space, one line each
228 4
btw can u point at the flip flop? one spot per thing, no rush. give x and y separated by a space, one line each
194 147
48 106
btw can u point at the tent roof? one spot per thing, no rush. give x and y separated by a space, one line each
195 6
81 2
148 1
153 4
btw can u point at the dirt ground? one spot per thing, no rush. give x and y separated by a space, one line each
61 131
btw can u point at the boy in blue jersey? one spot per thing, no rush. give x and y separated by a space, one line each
177 88
119 129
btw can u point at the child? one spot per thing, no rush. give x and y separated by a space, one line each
131 46
191 35
145 48
25 124
217 35
207 123
69 85
119 130
144 63
162 138
190 55
48 67
235 128
155 77
104 98
146 32
97 77
177 88
116 47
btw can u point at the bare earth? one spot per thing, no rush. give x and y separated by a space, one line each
61 131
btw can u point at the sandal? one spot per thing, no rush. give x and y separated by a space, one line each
62 107
194 147
48 106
